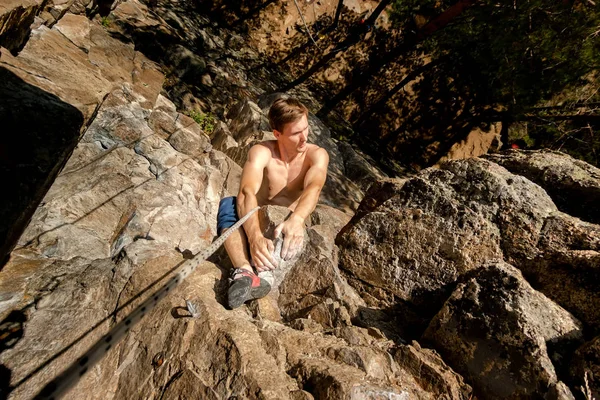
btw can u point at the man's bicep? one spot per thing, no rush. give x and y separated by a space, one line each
317 173
252 174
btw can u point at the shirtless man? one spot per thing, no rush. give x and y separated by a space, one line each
286 172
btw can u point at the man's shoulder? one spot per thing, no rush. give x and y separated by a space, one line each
317 153
262 149
259 155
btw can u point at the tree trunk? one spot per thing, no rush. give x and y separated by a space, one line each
336 18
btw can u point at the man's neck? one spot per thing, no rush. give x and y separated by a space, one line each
287 156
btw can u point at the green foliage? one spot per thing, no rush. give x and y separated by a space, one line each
105 22
207 122
509 54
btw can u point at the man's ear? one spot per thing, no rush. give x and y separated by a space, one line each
276 133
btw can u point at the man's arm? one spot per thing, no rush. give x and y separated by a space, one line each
261 248
293 227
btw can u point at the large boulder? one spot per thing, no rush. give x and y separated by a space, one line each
502 334
574 185
425 232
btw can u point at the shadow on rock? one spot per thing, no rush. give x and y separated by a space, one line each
39 132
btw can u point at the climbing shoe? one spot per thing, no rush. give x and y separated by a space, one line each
245 285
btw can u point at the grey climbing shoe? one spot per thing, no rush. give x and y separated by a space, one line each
245 285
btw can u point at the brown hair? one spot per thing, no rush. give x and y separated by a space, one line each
285 110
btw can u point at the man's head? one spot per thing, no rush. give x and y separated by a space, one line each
285 110
289 120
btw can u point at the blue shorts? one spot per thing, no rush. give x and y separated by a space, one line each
227 215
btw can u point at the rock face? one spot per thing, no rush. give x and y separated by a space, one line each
46 108
139 195
499 331
449 221
128 189
574 185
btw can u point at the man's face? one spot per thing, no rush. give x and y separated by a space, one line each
295 134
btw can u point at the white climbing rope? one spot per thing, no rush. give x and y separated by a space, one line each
63 382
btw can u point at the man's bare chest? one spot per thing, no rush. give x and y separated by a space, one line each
284 181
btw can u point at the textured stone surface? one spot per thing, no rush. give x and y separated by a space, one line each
357 169
92 59
574 185
497 330
427 231
39 131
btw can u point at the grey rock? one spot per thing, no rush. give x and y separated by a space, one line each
357 169
222 139
573 185
188 65
247 123
497 330
186 141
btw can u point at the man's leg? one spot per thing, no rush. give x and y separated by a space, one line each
236 246
245 284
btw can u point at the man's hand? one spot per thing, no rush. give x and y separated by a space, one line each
261 251
293 236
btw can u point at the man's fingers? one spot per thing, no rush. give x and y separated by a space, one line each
285 248
257 263
296 245
266 261
270 246
278 230
269 254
